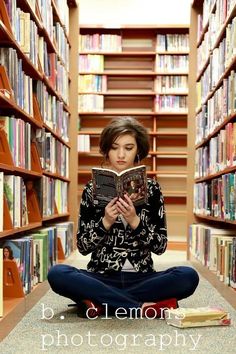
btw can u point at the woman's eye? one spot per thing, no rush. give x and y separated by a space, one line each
129 148
113 147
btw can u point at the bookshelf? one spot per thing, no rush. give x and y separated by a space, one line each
140 71
211 145
38 120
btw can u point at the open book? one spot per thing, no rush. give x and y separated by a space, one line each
108 184
197 317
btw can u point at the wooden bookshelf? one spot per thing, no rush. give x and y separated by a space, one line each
198 174
49 109
135 81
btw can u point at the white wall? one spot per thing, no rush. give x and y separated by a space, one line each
122 12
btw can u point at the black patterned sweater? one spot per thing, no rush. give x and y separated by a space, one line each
111 248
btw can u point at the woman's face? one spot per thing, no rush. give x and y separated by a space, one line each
6 253
122 153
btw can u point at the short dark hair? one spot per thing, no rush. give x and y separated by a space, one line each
10 252
125 125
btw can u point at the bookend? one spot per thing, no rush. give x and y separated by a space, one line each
12 287
34 214
5 152
4 16
5 86
60 252
36 110
35 161
55 209
7 222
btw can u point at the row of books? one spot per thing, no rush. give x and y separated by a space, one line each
21 84
92 83
26 34
18 134
63 10
36 252
52 111
171 83
62 82
172 42
95 63
53 196
100 42
218 154
216 21
83 143
91 63
171 103
90 103
162 83
213 72
54 69
46 13
62 45
222 10
217 197
216 249
54 155
219 107
14 188
172 62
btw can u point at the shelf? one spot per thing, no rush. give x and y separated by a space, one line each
124 53
137 26
217 220
55 216
130 76
28 227
133 73
218 174
56 176
14 309
133 113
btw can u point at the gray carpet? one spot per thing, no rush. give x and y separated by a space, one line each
64 332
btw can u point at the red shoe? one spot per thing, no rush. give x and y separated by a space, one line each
157 310
89 309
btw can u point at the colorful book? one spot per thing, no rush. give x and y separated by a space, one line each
108 184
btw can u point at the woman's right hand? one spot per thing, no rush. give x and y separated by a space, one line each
111 214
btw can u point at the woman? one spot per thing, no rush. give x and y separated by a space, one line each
121 238
7 253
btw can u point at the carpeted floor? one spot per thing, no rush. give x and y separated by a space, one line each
61 331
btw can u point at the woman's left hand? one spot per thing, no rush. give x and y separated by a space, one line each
126 208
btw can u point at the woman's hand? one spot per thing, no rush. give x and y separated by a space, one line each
127 209
111 213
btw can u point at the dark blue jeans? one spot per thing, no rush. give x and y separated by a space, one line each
123 289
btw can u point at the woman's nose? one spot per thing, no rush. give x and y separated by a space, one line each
121 153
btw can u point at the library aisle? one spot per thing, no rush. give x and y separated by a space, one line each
63 76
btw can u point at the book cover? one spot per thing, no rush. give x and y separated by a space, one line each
197 317
108 184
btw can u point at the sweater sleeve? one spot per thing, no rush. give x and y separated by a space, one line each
152 231
91 231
